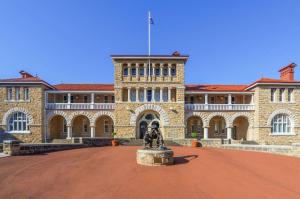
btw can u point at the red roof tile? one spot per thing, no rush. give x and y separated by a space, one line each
215 88
270 81
85 87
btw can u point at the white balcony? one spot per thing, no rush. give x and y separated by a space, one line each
80 106
220 107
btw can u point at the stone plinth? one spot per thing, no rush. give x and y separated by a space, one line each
154 157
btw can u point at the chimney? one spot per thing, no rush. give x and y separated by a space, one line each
176 54
24 74
287 72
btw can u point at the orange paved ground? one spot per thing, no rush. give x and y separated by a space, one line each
109 172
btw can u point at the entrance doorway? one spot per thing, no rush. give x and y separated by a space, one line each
146 121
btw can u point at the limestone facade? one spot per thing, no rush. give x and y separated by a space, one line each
143 96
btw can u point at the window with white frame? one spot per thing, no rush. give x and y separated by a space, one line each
26 94
9 93
281 124
273 96
18 94
65 128
281 95
290 94
133 95
157 71
18 122
165 71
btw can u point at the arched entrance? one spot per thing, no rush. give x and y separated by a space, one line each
194 127
145 121
104 126
240 128
81 126
58 127
217 127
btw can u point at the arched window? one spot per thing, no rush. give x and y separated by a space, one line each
18 121
281 124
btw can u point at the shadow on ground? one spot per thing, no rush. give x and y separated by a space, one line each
184 159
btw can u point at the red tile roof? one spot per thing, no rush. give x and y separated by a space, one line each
270 81
215 88
85 87
26 80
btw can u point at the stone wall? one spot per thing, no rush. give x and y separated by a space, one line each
34 108
265 110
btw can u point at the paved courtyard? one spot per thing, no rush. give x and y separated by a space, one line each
109 172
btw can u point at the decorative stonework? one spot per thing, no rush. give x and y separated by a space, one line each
221 114
17 109
163 115
101 113
51 114
77 113
201 115
292 117
248 116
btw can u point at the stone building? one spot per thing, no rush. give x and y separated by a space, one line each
151 91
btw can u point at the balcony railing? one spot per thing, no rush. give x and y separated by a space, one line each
79 106
219 107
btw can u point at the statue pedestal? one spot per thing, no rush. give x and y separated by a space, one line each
154 157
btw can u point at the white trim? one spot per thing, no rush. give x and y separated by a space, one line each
45 84
151 57
18 132
282 134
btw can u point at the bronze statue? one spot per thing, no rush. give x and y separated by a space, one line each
154 133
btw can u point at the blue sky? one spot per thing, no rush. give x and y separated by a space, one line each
71 41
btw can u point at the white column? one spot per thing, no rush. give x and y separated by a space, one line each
206 99
205 133
252 99
169 94
161 94
145 94
229 133
137 94
161 66
153 71
69 133
129 70
93 100
229 98
92 131
153 92
128 89
169 70
69 100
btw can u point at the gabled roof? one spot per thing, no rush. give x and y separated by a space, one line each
215 88
85 87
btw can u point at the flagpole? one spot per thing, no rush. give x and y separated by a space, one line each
149 40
